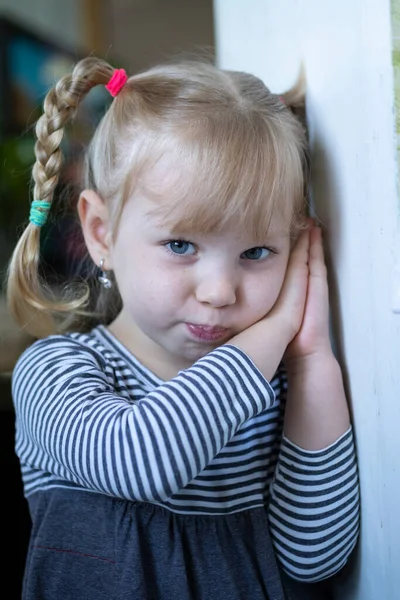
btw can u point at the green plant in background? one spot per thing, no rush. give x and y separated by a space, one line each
16 160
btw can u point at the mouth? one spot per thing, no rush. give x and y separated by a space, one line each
207 333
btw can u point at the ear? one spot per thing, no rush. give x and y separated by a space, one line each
95 222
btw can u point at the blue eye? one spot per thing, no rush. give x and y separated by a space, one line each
256 253
181 247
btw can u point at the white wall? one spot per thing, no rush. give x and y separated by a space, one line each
346 49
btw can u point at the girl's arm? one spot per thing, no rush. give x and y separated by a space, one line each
316 410
314 507
71 422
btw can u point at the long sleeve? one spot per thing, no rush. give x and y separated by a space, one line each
314 508
72 423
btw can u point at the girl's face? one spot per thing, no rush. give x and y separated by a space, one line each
185 295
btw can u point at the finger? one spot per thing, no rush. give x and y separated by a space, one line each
317 267
310 221
300 252
316 253
296 278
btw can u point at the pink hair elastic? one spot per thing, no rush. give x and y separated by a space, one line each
117 82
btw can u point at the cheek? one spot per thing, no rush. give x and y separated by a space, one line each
148 285
264 291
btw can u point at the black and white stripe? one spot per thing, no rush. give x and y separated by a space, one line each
90 416
314 508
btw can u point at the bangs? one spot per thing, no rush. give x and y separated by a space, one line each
225 171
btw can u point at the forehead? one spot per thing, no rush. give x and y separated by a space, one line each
191 194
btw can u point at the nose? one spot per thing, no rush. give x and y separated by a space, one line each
218 290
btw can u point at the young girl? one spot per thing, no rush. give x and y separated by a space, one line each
156 457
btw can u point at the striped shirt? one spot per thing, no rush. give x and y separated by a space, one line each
209 442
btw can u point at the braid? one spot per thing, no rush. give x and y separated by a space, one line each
49 132
60 106
31 303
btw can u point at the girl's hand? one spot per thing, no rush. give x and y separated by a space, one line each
289 308
266 341
316 412
313 337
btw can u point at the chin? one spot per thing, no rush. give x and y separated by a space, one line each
194 354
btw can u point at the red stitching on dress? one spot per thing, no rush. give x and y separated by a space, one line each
75 552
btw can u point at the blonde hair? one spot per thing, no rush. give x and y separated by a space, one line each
242 151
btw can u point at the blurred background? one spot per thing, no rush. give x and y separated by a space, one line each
351 55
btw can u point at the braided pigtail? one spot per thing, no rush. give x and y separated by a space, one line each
31 302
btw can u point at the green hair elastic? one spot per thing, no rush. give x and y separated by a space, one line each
39 211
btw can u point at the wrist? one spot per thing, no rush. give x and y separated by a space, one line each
265 343
322 360
316 406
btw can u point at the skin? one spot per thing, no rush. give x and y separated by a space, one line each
273 308
297 329
214 282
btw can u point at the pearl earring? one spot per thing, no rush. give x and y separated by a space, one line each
104 280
